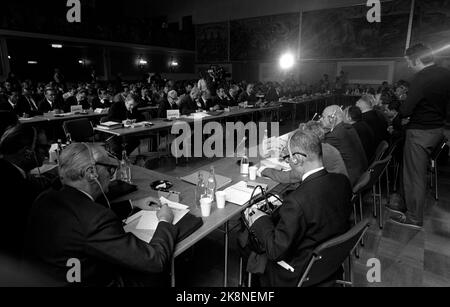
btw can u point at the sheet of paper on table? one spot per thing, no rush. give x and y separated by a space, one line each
239 194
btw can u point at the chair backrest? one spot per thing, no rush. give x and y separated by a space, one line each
381 150
392 148
328 258
80 130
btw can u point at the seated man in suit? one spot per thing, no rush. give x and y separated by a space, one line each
28 102
374 119
274 93
233 94
346 140
332 159
353 116
22 148
317 211
123 112
70 224
171 103
51 102
188 104
222 101
80 99
248 96
146 98
11 103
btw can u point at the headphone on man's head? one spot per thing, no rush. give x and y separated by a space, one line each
294 160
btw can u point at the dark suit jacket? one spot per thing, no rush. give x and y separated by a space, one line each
222 103
272 95
233 102
367 137
317 211
97 104
164 106
346 140
118 113
187 105
376 121
251 99
17 196
28 106
6 106
45 107
67 224
72 101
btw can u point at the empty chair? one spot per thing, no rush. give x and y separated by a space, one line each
434 165
329 257
80 130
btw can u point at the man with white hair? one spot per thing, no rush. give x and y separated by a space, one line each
69 226
346 140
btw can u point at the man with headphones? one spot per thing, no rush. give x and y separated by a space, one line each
70 224
315 212
22 148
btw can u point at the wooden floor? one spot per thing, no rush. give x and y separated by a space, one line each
408 257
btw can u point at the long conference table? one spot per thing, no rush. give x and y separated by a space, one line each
228 167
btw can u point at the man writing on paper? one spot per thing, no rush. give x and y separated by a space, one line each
314 213
70 224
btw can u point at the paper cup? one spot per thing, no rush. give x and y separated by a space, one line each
252 173
205 205
220 199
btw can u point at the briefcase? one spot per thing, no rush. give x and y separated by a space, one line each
187 226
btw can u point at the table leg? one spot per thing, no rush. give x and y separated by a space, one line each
225 273
172 273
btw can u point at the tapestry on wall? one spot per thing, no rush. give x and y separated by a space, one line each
346 33
432 24
264 38
212 42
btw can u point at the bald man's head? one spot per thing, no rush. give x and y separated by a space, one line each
365 103
332 116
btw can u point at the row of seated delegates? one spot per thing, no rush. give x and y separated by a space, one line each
332 159
72 223
317 211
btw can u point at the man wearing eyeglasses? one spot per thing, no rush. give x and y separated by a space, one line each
70 224
315 212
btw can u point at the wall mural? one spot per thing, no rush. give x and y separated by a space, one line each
212 42
432 24
264 38
345 32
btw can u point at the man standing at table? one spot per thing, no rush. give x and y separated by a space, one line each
317 211
426 109
70 224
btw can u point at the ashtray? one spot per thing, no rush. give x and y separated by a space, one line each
161 185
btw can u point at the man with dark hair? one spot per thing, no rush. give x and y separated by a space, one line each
120 112
426 109
11 103
249 95
221 100
80 99
233 94
345 139
22 148
353 116
28 102
317 211
102 101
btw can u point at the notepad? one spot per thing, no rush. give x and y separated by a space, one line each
221 181
239 193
